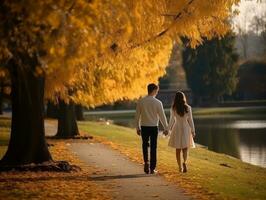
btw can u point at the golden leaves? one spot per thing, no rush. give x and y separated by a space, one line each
53 185
104 51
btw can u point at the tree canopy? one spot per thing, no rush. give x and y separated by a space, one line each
98 51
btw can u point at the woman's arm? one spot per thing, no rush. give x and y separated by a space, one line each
171 121
190 121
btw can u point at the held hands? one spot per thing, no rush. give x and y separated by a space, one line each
193 134
165 132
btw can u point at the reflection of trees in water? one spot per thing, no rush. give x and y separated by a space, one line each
253 146
253 137
219 140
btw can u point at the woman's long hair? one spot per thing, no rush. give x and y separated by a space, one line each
180 104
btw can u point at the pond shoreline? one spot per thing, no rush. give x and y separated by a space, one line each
197 111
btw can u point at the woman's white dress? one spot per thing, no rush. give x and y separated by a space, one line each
181 129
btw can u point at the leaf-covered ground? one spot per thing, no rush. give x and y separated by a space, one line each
52 185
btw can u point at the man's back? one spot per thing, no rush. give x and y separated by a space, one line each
149 111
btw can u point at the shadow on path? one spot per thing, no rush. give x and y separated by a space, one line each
126 178
103 178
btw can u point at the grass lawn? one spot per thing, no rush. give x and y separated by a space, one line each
197 112
230 110
211 175
4 134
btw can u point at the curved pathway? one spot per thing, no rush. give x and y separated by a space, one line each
125 177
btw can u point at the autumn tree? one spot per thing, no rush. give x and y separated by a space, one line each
67 115
90 53
211 68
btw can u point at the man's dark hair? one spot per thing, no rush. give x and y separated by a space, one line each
151 87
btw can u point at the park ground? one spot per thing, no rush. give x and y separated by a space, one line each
211 175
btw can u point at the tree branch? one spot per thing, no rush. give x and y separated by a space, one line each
163 32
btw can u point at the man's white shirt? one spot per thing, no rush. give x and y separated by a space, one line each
149 111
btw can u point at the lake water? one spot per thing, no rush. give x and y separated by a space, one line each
240 136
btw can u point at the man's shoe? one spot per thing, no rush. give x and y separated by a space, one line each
146 168
153 171
181 169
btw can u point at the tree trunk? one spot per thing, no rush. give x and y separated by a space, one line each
67 123
79 112
27 142
52 110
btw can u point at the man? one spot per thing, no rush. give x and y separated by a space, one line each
149 111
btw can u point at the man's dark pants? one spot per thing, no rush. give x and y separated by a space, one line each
149 134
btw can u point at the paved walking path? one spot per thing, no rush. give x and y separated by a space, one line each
124 177
50 127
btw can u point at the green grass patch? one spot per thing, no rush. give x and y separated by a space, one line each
2 151
230 110
4 134
211 175
5 122
244 111
4 131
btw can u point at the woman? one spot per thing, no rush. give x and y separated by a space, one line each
182 129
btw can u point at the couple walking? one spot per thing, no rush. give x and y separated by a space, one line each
149 111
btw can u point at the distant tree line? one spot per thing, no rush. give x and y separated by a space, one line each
211 69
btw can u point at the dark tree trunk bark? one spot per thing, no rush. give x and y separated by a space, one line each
79 112
52 110
27 142
67 123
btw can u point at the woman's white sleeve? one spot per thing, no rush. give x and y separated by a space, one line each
190 120
172 120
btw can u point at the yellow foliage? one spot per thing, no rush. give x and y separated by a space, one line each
100 51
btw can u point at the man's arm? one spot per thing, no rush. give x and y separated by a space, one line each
162 117
137 118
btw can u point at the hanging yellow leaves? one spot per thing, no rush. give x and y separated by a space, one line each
96 52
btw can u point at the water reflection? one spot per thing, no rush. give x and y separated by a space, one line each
252 146
219 140
243 139
247 124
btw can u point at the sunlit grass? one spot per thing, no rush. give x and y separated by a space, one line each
230 110
211 175
4 134
197 112
2 151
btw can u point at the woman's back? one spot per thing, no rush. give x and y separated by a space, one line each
181 128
